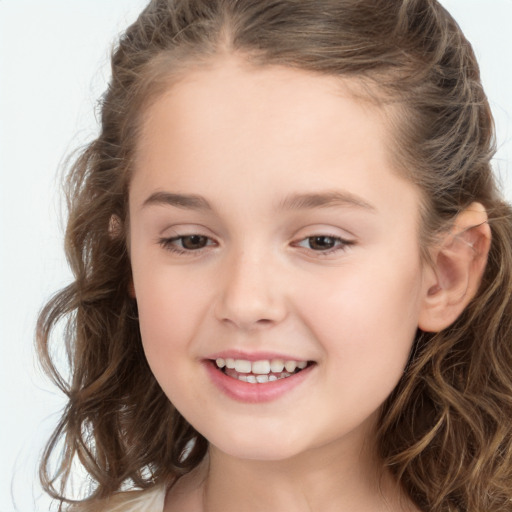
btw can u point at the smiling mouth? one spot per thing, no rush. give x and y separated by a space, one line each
260 372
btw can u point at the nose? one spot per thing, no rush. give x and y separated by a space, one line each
251 293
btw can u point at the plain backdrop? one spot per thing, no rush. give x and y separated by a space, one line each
53 68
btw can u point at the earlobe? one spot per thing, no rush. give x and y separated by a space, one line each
458 265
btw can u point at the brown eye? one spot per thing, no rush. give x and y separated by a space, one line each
186 243
193 242
324 245
321 243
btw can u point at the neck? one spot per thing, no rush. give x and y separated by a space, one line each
333 477
325 481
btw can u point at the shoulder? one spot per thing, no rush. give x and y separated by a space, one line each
150 500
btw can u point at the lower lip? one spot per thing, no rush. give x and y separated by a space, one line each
255 393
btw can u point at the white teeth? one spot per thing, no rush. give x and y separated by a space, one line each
277 365
260 379
290 366
242 366
261 367
264 367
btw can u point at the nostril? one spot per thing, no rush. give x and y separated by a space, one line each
247 323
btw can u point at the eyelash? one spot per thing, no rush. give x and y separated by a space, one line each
340 244
169 244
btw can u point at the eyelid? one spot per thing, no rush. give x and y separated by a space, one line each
168 243
342 243
334 238
184 229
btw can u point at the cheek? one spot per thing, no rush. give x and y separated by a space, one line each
169 305
169 309
367 319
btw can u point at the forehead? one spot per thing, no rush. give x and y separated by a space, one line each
234 123
237 91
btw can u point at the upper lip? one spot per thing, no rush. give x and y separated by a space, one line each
254 356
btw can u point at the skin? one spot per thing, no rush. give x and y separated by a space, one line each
246 140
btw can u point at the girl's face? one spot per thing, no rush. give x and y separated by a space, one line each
268 227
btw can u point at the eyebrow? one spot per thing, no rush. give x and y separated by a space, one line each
291 202
324 200
186 201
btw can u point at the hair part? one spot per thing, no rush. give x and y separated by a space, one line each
445 432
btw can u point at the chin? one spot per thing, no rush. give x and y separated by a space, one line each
262 446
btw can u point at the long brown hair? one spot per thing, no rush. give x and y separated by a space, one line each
446 431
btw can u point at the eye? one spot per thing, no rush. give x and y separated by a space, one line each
324 243
186 243
321 243
193 242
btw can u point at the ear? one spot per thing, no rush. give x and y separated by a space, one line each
115 226
458 266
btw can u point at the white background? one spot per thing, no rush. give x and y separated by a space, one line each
53 68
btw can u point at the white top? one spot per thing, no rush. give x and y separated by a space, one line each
151 500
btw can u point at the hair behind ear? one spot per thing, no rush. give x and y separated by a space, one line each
451 413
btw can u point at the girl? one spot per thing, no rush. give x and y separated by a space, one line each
292 268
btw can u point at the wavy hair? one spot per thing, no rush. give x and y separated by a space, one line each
446 431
